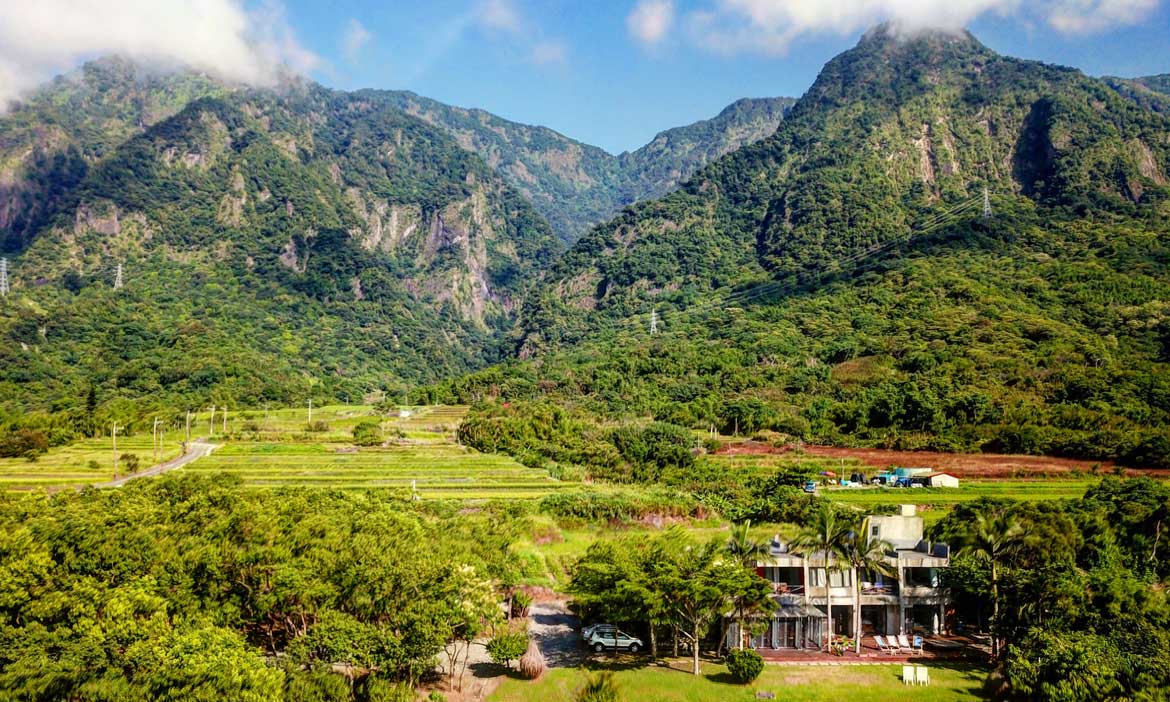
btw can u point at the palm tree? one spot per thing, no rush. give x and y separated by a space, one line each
745 552
742 548
826 535
866 554
993 538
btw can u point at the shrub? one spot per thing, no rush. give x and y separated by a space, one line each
26 443
436 696
367 434
744 665
317 425
129 461
505 648
599 688
521 601
93 465
532 664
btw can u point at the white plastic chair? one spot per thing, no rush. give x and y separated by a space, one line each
909 677
922 675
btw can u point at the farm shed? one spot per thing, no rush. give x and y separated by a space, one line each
945 480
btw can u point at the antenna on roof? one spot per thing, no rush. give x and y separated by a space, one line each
986 204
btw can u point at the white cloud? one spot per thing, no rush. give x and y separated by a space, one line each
499 14
769 26
40 38
355 39
650 20
549 52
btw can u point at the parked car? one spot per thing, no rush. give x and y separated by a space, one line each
588 631
616 639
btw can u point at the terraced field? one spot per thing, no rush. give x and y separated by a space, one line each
432 470
83 462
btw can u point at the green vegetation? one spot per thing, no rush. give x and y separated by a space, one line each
575 186
185 584
948 683
835 283
744 665
85 462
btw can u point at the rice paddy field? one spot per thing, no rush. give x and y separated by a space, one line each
283 447
84 462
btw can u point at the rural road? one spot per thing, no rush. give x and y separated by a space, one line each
199 449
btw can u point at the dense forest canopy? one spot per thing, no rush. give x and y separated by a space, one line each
841 274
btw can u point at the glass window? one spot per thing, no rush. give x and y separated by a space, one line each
816 577
840 578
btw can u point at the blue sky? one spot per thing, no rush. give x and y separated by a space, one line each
581 69
608 72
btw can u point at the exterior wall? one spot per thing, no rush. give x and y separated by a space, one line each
900 531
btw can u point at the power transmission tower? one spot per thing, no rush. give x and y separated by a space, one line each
118 278
986 204
3 277
653 322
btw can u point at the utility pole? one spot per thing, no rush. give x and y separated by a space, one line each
155 432
225 420
3 277
310 410
211 423
986 204
118 278
114 436
653 322
188 441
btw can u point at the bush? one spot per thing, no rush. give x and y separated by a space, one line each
25 443
129 461
521 601
436 696
532 664
599 688
744 665
367 434
317 425
505 648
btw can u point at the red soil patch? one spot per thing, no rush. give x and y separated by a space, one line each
966 465
978 465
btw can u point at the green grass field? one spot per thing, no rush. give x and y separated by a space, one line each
70 465
873 683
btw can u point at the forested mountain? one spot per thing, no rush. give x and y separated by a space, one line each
893 313
575 185
269 240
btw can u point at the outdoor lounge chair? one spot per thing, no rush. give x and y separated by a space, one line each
881 644
904 643
921 675
908 675
892 644
918 645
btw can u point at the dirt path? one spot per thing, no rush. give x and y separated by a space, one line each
198 449
554 628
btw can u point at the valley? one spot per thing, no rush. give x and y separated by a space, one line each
453 386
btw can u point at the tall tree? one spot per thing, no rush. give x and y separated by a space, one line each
744 549
993 538
825 538
866 555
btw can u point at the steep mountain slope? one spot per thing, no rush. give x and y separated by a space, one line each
890 312
674 155
575 185
48 143
269 241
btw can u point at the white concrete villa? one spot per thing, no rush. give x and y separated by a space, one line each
912 603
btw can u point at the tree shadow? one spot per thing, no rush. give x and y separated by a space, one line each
723 678
487 669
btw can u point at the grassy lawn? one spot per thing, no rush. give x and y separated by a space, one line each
876 683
